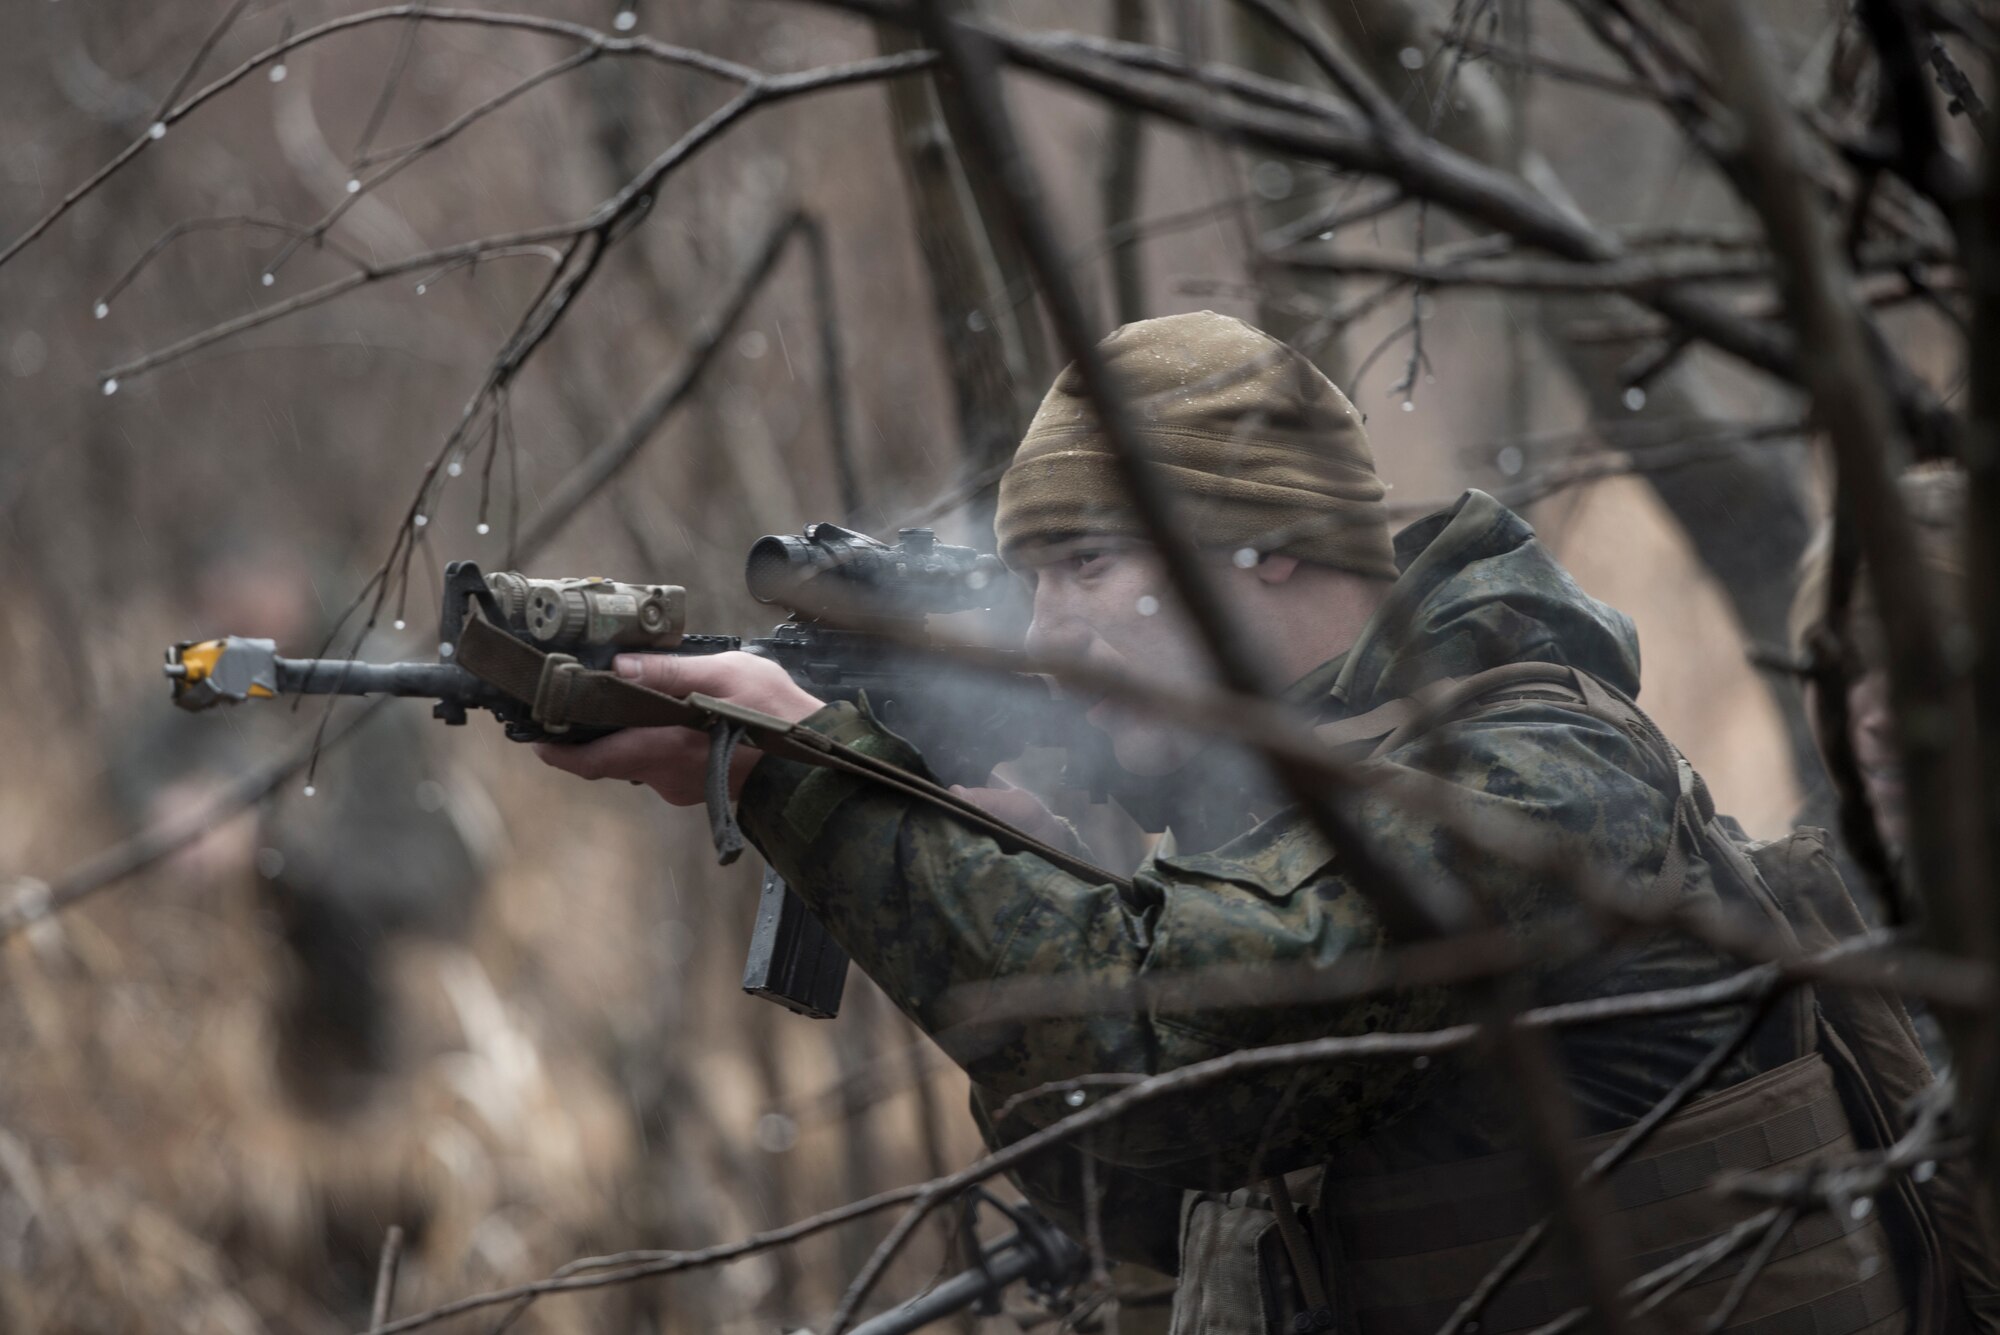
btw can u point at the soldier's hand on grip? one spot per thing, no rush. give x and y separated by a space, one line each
673 762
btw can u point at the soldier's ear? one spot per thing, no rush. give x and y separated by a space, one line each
1276 567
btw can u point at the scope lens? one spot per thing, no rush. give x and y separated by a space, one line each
776 566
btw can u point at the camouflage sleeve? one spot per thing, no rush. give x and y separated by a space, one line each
933 911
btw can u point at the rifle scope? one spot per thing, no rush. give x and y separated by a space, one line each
833 572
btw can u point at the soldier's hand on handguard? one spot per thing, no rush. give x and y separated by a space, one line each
673 762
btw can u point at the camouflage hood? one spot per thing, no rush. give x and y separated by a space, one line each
1478 589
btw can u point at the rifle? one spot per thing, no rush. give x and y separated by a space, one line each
1036 1251
853 605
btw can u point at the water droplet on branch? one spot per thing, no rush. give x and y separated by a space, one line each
423 288
626 20
277 74
399 623
776 1133
446 650
269 279
111 385
353 186
1409 405
1272 180
454 468
1410 58
101 310
159 130
482 528
1635 399
310 790
1075 1098
420 520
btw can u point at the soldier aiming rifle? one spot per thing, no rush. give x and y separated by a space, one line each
1457 659
1412 1176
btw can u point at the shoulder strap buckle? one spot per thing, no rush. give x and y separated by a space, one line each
552 690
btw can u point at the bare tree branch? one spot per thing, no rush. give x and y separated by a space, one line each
1941 763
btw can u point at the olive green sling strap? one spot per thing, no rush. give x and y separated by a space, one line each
563 694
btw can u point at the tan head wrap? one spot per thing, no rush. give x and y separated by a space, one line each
1260 449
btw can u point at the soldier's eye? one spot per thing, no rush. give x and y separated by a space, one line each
1087 563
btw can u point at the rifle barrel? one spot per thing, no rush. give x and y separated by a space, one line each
338 676
1012 1258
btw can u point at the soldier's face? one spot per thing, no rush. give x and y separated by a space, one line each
1107 601
1871 727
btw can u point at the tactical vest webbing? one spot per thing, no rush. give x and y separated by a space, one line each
1417 1242
1395 1252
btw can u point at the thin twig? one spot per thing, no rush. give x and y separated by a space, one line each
597 1272
360 188
605 462
385 1278
405 45
1739 1288
640 46
227 222
208 44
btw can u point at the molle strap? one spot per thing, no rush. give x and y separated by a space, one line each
1318 1313
1388 726
1369 728
1459 694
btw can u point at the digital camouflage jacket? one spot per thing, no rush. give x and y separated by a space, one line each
932 910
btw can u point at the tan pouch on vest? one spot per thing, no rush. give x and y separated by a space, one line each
1225 1279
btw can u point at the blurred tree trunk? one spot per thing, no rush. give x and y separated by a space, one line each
857 1037
1262 48
773 1175
1121 182
1746 515
997 357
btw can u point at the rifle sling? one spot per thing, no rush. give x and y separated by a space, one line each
562 693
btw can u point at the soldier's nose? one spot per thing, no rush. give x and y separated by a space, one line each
1054 633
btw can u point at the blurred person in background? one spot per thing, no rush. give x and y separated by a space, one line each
345 871
1934 495
1853 658
1411 1173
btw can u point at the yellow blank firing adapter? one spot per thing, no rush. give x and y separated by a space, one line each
206 673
